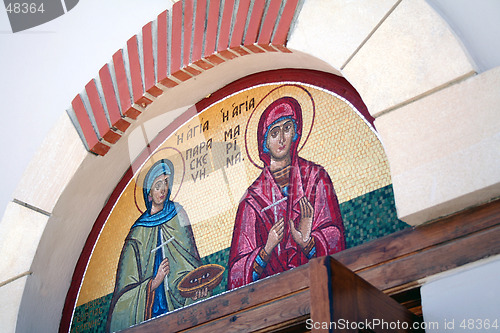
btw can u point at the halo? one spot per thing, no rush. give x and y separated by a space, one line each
306 101
175 157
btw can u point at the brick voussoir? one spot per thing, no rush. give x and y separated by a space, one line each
124 92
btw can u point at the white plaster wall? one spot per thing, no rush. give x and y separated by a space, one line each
476 24
466 293
10 295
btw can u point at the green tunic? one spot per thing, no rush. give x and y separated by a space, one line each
132 298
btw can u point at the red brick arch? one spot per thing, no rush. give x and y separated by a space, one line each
196 36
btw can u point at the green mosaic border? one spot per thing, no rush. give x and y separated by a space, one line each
370 216
92 316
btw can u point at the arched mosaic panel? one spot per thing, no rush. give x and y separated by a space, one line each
271 171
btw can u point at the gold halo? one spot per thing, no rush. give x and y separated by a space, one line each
170 153
306 101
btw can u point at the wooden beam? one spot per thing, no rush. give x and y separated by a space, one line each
437 259
412 254
356 300
238 300
321 291
271 316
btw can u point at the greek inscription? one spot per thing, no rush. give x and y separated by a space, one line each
232 133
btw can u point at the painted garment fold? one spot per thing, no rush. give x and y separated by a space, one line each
265 203
133 300
252 224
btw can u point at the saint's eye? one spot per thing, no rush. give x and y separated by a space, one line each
287 127
275 132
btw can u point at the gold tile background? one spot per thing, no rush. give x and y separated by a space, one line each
340 140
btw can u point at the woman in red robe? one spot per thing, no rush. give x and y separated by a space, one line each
290 213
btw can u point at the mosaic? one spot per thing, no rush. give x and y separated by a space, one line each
255 184
362 224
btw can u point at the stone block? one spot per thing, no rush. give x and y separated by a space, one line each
13 292
443 149
52 167
411 54
20 232
332 30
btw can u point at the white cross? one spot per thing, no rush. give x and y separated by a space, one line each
274 206
162 247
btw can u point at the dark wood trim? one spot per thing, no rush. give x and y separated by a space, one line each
329 294
412 254
356 300
434 260
321 289
224 306
272 316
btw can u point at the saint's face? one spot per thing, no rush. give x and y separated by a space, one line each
159 190
280 138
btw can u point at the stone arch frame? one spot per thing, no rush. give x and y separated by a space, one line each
432 55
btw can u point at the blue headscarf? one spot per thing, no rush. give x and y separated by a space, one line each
162 167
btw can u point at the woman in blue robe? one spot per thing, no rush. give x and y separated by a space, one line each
158 252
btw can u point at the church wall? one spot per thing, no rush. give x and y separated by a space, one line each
412 53
443 149
358 170
348 26
52 167
20 232
11 295
405 51
94 179
73 185
464 299
475 25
